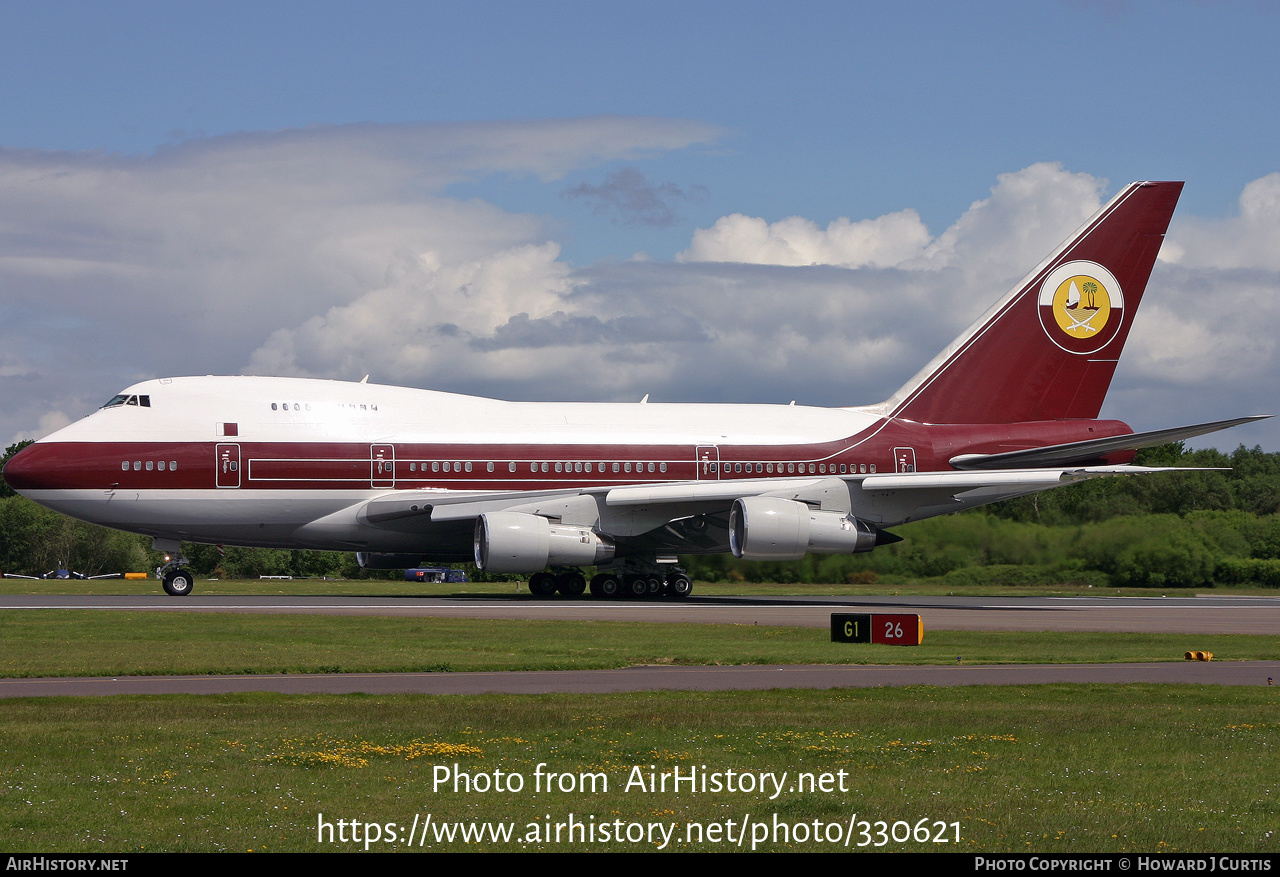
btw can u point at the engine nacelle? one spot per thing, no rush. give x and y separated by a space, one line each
376 560
769 528
516 542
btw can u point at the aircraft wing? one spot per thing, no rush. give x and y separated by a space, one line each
882 500
1091 449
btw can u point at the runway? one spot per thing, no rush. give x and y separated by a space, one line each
1212 614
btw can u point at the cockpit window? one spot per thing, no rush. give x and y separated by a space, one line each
125 399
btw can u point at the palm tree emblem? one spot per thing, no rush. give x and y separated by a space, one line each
1090 290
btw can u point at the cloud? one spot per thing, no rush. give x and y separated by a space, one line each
882 242
1249 240
115 268
633 200
1026 213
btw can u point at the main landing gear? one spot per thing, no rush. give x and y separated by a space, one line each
630 583
569 582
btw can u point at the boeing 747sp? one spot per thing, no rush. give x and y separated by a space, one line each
1008 408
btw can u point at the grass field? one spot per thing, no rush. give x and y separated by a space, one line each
86 643
1047 769
1050 768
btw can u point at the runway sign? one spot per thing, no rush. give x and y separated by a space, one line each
886 630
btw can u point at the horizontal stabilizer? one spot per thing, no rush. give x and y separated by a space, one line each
1079 452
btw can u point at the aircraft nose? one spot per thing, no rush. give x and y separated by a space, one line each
27 469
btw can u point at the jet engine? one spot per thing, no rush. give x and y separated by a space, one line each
769 528
516 542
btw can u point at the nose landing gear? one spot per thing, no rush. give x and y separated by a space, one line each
175 578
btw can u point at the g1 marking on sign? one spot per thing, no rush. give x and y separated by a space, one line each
888 630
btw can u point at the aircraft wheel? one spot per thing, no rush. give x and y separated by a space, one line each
679 586
605 586
571 584
656 586
178 583
637 587
542 584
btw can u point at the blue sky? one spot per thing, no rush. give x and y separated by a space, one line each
237 187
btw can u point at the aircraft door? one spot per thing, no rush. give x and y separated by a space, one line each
904 459
227 458
708 457
382 465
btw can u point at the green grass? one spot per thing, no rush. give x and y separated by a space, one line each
1048 769
88 643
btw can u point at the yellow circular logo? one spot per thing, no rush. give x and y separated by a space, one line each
1081 306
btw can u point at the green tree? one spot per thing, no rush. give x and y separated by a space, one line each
5 489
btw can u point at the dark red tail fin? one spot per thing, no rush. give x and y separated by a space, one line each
1047 350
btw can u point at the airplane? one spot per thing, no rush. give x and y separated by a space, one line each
398 474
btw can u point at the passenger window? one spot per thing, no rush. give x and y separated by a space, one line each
173 465
873 468
511 467
488 467
467 467
662 467
160 465
616 467
124 464
137 465
150 465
